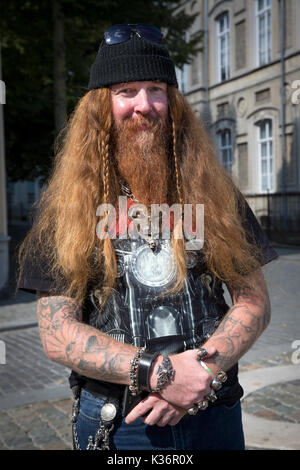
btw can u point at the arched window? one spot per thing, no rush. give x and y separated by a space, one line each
225 147
265 155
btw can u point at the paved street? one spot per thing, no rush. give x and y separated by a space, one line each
35 403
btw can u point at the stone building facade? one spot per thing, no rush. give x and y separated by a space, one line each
245 86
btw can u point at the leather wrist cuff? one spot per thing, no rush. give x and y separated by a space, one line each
145 365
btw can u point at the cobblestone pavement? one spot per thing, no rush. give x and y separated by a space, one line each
40 426
279 402
27 368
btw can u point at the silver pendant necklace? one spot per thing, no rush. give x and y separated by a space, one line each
152 242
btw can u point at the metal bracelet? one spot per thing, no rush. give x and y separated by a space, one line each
134 365
165 373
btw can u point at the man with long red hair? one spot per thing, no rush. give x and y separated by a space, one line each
140 318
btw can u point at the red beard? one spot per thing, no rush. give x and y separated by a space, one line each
141 154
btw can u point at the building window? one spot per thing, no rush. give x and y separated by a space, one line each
182 78
225 147
222 109
223 46
263 28
265 155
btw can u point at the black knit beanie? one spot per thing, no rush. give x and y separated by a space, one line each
132 61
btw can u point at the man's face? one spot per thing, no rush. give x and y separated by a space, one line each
141 134
136 99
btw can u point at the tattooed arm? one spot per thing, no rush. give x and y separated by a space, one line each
242 325
85 349
245 321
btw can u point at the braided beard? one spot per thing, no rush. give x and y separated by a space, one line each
141 154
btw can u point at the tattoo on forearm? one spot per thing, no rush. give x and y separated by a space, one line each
242 325
79 346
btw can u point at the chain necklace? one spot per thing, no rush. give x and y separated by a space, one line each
152 242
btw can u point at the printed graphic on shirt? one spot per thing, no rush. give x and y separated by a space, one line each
141 311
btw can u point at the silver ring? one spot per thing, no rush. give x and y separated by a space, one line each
216 384
201 354
193 411
221 376
212 397
202 405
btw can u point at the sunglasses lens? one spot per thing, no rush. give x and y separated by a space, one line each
150 33
117 34
122 32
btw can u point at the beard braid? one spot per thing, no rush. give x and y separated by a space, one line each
142 157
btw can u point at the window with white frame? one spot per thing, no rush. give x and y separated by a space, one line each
265 155
182 78
223 46
263 29
225 148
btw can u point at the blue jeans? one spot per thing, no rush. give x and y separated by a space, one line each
216 428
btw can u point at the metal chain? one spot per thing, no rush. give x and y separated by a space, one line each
75 411
101 439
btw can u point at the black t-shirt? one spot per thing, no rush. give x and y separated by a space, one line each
134 309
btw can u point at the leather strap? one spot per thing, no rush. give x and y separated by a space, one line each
145 365
103 390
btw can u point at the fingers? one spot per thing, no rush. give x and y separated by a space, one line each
164 413
172 419
142 408
211 350
160 412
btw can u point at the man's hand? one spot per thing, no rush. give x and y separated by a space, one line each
191 381
161 412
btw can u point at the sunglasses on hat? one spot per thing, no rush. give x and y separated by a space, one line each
119 33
